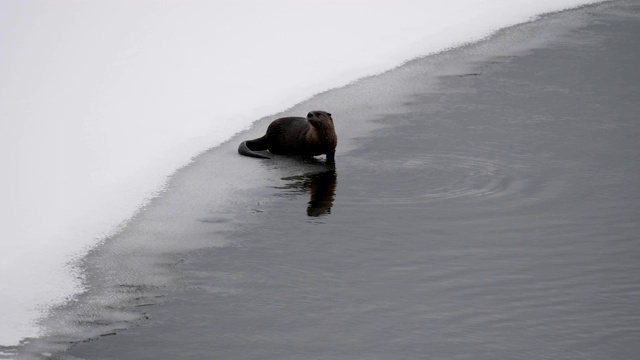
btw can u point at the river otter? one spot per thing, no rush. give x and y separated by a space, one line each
308 137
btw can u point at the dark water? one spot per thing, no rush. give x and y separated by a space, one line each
485 205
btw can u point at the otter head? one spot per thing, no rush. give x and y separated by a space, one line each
322 131
320 119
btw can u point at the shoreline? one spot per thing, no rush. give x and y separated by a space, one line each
260 192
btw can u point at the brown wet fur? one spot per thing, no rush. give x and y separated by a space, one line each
311 136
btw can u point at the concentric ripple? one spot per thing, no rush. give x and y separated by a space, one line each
434 177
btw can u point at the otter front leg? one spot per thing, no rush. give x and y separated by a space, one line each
331 158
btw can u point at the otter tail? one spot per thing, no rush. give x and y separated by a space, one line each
244 149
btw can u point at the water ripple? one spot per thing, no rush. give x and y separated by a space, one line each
433 177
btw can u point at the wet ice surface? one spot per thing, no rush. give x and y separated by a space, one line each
493 214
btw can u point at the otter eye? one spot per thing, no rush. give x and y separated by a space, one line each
310 114
329 114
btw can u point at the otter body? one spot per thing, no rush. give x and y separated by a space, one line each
310 136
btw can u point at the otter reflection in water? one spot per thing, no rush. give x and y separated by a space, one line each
321 185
